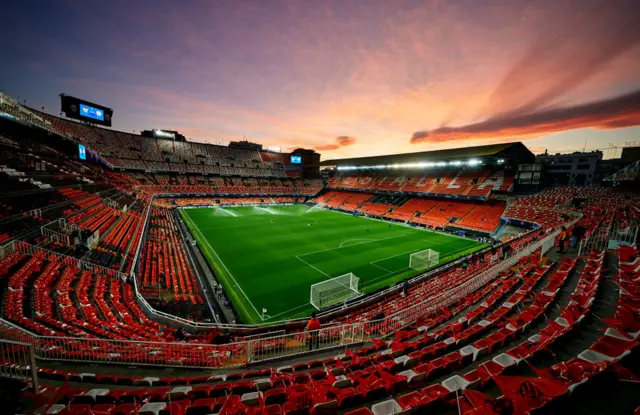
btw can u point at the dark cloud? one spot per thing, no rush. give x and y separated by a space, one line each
618 112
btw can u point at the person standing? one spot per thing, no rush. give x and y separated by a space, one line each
561 240
313 325
575 235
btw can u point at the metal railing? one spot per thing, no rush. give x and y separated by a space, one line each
26 248
609 235
18 361
55 236
250 350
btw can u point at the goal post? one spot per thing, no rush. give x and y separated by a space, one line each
334 291
424 259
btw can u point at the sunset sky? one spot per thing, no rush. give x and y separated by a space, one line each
348 78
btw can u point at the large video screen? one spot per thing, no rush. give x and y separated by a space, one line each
296 159
82 110
82 152
91 112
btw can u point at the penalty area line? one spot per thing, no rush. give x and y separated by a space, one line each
314 267
366 241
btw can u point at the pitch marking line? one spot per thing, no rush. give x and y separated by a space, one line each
348 240
367 241
225 267
393 256
312 266
378 266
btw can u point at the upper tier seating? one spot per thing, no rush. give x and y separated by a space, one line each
162 183
125 150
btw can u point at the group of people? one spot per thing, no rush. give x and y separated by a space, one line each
577 232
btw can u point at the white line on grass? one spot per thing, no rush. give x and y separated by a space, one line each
378 266
317 269
345 241
225 267
367 241
393 256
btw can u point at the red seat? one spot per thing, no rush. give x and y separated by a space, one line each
275 396
203 406
126 409
290 408
102 409
176 408
361 411
417 402
199 392
78 409
272 410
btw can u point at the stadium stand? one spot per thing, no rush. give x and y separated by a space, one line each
165 262
432 213
477 183
125 150
468 358
484 217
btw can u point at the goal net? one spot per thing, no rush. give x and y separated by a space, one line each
334 291
424 259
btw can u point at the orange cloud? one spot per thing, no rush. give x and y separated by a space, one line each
618 112
564 58
341 141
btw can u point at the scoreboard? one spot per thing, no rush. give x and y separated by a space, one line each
82 110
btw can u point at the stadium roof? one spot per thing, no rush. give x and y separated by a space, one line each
515 152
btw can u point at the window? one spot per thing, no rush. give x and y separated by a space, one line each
583 166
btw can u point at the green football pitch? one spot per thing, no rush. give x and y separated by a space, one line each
268 257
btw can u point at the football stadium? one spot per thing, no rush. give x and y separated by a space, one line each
237 280
355 208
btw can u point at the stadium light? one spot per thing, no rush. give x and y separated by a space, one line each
473 162
418 165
